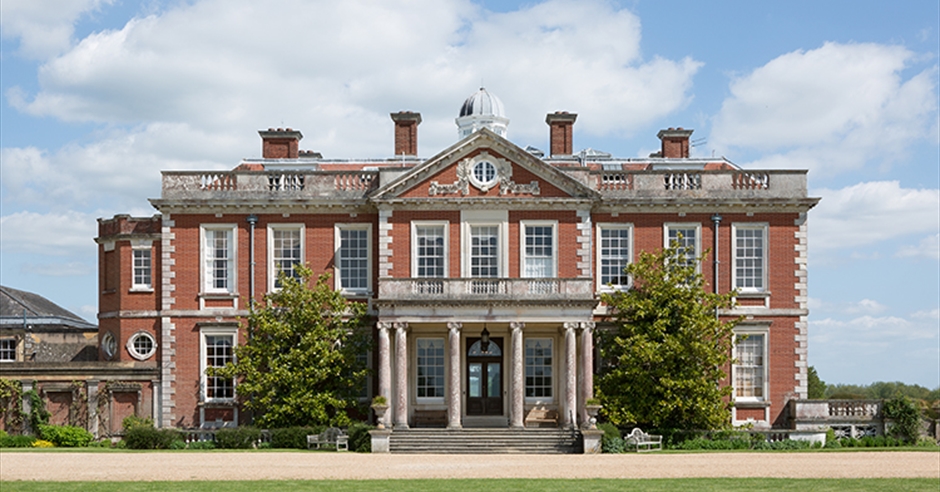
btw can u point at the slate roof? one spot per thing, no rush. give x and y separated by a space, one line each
15 304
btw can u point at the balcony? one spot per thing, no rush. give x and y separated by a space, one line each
271 185
739 184
486 289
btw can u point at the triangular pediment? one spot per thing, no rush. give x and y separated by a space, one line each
483 165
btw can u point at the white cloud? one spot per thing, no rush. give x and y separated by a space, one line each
928 247
831 109
43 27
336 69
69 269
866 306
60 234
933 314
870 212
870 329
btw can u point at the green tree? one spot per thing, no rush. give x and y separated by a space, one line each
817 387
665 360
301 364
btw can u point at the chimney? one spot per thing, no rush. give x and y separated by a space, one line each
559 134
281 143
675 143
406 132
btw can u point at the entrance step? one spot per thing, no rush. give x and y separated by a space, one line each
486 441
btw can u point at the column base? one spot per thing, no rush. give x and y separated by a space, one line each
592 441
381 440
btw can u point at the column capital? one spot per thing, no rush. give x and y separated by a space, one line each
454 326
384 325
588 326
570 325
400 326
516 325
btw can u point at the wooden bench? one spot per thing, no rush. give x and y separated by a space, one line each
541 417
332 437
430 418
642 441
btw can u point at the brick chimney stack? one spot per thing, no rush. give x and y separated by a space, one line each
560 125
281 143
406 132
675 143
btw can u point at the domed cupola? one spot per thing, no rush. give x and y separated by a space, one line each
482 110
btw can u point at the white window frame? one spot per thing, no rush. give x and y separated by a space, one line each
15 348
484 218
668 226
764 228
415 224
141 247
739 331
338 273
523 257
272 266
601 286
231 331
132 347
208 286
554 377
431 399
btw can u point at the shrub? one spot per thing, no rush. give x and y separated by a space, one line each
17 441
177 444
66 436
611 441
238 438
145 437
202 445
360 440
906 417
134 421
41 443
292 437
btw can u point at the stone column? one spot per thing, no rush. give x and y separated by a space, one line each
385 362
517 408
27 406
571 375
93 407
453 390
401 375
587 369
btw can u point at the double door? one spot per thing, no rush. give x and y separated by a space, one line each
484 377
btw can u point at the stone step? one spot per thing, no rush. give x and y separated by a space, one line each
484 441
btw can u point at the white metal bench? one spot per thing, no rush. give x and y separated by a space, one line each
642 441
332 437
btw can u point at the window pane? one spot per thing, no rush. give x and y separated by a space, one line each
686 239
8 350
484 251
219 351
430 368
749 258
538 368
286 253
749 367
354 259
219 259
429 251
615 255
539 254
142 264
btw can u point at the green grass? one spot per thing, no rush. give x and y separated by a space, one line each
490 485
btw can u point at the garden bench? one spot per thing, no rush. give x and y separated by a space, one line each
332 437
642 441
541 417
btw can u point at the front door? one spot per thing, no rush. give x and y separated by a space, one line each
485 377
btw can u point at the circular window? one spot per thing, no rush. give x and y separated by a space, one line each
108 345
141 345
484 172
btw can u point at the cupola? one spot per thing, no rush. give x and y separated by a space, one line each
482 110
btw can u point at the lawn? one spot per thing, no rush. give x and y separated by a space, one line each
490 485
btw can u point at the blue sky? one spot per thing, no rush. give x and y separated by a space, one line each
99 96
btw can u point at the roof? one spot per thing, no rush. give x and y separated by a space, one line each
482 103
17 306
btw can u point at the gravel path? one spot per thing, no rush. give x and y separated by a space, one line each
134 466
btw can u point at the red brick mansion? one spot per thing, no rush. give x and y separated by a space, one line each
483 242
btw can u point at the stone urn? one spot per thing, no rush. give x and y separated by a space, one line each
592 410
380 406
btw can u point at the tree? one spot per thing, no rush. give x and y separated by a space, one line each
665 360
816 387
301 364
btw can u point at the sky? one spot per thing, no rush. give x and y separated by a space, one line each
99 96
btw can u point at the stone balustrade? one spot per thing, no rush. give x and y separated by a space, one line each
202 185
697 183
492 289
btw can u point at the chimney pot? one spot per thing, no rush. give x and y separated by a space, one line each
280 143
560 125
406 132
675 143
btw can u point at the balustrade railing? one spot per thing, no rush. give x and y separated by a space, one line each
486 289
854 408
718 184
295 184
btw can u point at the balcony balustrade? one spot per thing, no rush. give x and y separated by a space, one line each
740 184
486 289
294 185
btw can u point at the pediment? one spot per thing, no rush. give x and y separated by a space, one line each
483 165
